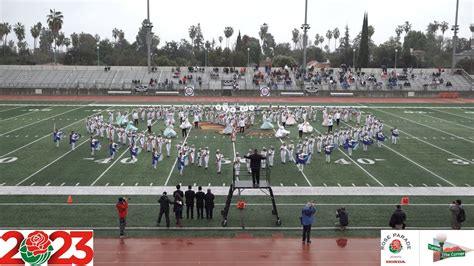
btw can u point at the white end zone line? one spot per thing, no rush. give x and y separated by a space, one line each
111 165
451 114
442 131
176 160
48 135
358 165
42 120
304 175
46 166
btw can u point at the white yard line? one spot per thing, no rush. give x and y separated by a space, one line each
46 166
45 136
9 109
447 121
358 165
175 161
413 162
451 114
224 191
222 204
110 166
426 142
227 228
42 120
304 175
16 116
433 128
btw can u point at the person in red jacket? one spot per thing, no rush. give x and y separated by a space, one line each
122 207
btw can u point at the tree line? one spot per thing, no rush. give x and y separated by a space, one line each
409 47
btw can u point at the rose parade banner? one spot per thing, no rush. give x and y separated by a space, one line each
46 247
427 247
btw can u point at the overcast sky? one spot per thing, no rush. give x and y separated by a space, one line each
173 18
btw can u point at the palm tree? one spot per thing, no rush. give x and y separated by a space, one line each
321 40
60 40
406 27
263 32
228 31
220 41
67 43
19 30
336 35
35 33
295 36
55 23
7 28
398 31
316 40
443 26
192 33
115 34
329 36
432 28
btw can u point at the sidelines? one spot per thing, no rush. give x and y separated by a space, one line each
452 114
48 135
46 166
415 163
304 175
176 160
223 204
223 191
16 116
442 131
42 120
118 159
358 165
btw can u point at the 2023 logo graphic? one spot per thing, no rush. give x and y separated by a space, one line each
53 247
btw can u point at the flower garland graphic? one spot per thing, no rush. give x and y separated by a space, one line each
36 249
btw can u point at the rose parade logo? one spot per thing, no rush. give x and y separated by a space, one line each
396 246
48 246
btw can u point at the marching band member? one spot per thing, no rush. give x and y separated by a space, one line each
133 152
199 157
94 144
168 147
73 138
113 147
219 158
155 157
291 148
180 161
205 156
350 144
237 164
271 155
366 142
191 153
247 161
264 154
380 138
283 151
57 136
301 158
328 150
395 135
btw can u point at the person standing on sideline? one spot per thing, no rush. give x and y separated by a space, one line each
255 164
178 191
343 217
200 203
164 209
122 207
189 195
307 219
209 204
457 214
397 221
178 209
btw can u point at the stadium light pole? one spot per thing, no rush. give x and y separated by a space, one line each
455 28
396 51
354 59
248 57
98 56
148 25
305 27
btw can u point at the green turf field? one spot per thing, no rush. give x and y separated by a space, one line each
435 150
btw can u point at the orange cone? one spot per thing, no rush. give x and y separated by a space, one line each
405 201
69 200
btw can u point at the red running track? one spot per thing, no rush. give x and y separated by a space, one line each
212 99
244 250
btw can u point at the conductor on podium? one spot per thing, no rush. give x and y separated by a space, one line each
255 164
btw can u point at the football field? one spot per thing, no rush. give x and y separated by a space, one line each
434 155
